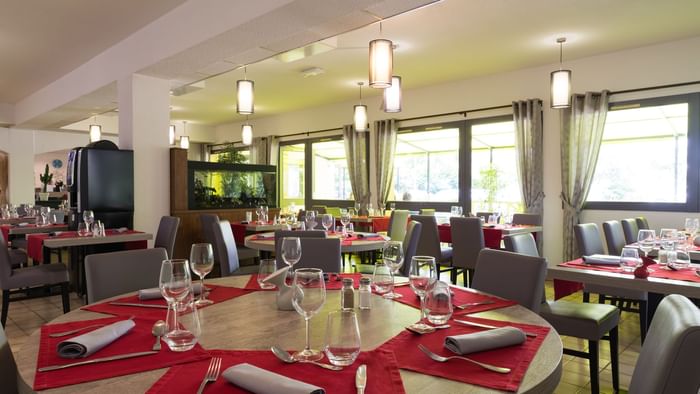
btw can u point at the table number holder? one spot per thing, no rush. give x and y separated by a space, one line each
284 292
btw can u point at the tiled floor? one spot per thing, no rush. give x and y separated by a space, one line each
27 316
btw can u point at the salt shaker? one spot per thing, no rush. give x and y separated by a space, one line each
365 294
347 295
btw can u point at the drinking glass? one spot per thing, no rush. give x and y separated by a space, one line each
83 229
438 303
679 259
291 251
45 211
646 240
422 277
183 326
629 259
342 338
392 206
267 267
89 218
308 297
175 285
310 220
382 279
667 238
327 221
392 254
201 262
493 219
357 207
350 229
265 212
691 226
249 216
345 219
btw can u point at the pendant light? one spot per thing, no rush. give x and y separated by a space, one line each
95 131
245 95
392 96
171 134
560 96
184 139
360 113
247 132
381 59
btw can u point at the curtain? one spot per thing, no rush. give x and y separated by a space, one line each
527 116
258 151
273 146
356 155
581 134
385 137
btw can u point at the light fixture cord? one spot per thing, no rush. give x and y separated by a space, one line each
245 72
561 51
360 94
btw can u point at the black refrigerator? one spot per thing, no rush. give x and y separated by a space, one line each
100 178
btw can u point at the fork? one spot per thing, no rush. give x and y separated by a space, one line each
443 359
212 373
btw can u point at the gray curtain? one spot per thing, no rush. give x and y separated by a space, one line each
527 116
581 134
356 155
258 151
273 152
385 137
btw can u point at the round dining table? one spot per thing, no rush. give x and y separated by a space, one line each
253 322
266 242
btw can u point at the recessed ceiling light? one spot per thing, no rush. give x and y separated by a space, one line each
312 71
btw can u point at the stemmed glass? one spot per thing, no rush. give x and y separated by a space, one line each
259 213
327 221
308 297
357 207
646 240
345 220
291 251
310 220
175 285
201 262
88 218
392 254
422 276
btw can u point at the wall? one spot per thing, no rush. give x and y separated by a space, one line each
40 162
668 63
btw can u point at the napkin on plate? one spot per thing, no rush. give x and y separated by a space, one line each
602 259
154 293
261 381
87 344
485 340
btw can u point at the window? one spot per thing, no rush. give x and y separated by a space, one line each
291 168
331 180
643 161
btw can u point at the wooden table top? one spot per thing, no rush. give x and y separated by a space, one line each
253 322
26 219
84 241
268 245
22 230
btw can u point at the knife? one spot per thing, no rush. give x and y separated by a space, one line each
96 360
469 323
137 304
361 379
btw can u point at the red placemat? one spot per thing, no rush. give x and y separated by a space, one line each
492 235
239 231
217 294
517 358
382 373
445 233
5 228
349 240
139 339
655 270
35 242
380 223
461 296
332 284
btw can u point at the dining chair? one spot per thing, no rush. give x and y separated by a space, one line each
521 243
410 245
279 234
225 251
532 219
467 242
18 257
320 209
429 244
322 253
10 379
397 224
114 273
642 223
614 237
668 363
57 216
208 223
629 226
167 232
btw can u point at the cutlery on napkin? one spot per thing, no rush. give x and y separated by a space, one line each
484 340
87 344
261 381
481 325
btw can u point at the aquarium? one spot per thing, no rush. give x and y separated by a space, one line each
224 186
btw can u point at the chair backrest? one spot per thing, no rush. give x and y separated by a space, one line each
323 253
642 223
207 222
279 234
588 239
521 243
484 215
320 209
427 211
167 231
57 216
397 224
8 368
668 362
5 264
629 226
111 274
533 219
429 240
225 248
614 237
512 276
410 245
467 241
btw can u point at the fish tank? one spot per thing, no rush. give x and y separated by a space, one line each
228 186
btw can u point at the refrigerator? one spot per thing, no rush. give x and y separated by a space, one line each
100 178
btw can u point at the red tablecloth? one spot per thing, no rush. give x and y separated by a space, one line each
382 373
517 358
239 231
492 235
460 297
139 339
335 282
35 242
5 228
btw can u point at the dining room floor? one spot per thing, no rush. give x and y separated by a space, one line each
27 316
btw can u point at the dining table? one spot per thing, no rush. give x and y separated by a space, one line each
493 233
246 326
358 242
10 231
21 219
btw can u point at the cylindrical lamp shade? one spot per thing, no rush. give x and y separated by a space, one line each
185 142
360 118
171 134
244 97
381 63
392 96
95 132
561 89
247 134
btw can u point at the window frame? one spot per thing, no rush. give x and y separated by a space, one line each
692 203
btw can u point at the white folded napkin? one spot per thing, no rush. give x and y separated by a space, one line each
485 340
23 224
261 381
121 229
154 293
87 344
602 259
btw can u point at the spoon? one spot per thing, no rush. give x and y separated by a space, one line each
158 331
287 358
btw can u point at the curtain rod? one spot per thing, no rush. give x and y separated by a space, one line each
672 85
463 112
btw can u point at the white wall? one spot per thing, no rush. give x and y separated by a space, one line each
662 64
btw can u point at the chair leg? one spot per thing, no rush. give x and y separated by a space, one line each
586 296
437 265
614 360
593 365
643 319
5 306
453 276
64 297
464 277
601 298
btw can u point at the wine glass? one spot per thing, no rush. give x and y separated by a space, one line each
89 218
291 251
175 285
392 254
201 262
342 338
310 220
422 277
345 220
357 207
308 297
382 279
646 240
259 214
327 221
629 259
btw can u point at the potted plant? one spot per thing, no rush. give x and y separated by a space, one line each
45 179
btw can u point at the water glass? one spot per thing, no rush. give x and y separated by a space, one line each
392 206
422 276
183 326
678 259
342 338
438 303
89 218
345 218
291 251
83 229
202 262
249 216
646 240
629 259
267 267
308 297
175 285
667 238
493 219
382 279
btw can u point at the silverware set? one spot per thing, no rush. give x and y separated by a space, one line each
212 373
443 359
471 304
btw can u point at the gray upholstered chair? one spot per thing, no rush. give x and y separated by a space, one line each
532 219
629 226
397 224
10 380
279 234
467 242
111 274
225 252
57 216
429 244
642 223
510 275
521 243
207 222
668 363
323 253
410 245
614 237
167 231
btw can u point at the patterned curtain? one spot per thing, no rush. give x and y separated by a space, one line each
527 116
581 134
385 137
356 155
